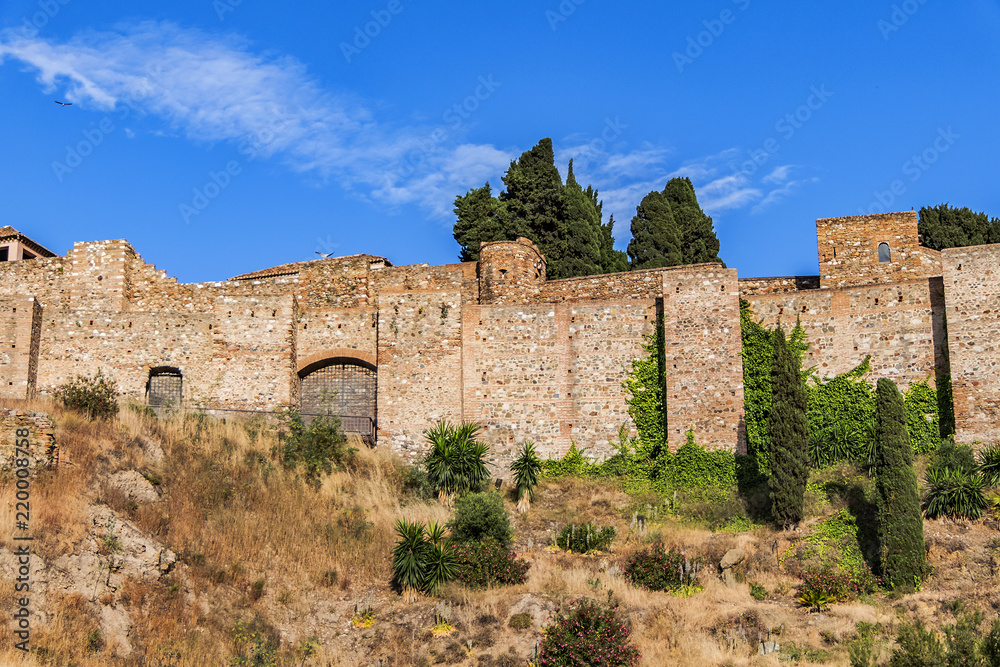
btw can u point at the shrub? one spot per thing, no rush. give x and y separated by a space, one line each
94 396
957 494
757 592
456 462
822 587
584 538
488 563
318 447
479 516
526 468
587 633
917 647
521 621
989 465
657 569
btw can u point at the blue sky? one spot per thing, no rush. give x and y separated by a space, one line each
226 136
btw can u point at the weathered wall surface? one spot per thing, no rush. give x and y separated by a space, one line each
494 342
419 365
18 426
972 294
848 250
893 323
703 351
240 360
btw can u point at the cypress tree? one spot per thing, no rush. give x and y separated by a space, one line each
563 220
788 432
698 241
534 199
656 240
581 236
900 525
481 217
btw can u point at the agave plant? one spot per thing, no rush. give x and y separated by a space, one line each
816 600
526 468
456 462
954 493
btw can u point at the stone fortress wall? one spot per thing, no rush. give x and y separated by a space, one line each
494 342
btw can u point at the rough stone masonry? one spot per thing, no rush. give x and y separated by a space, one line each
393 349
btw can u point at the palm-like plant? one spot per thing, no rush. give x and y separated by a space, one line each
441 565
954 493
989 465
410 556
526 468
456 462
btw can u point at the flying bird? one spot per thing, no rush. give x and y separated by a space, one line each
324 255
65 104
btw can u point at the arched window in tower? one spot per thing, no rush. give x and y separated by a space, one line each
883 253
342 387
163 390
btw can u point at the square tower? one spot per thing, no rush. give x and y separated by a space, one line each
869 249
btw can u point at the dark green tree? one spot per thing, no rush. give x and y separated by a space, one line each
788 433
943 227
582 234
900 525
656 240
563 220
670 229
698 241
481 217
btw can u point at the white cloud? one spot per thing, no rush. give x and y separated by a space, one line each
779 174
778 194
212 88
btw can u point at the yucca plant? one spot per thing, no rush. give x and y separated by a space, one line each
957 494
410 556
989 465
456 462
441 564
526 468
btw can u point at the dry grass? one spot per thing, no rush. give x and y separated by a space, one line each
237 517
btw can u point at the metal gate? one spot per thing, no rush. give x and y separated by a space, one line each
345 388
164 389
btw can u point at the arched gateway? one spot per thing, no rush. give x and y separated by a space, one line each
341 383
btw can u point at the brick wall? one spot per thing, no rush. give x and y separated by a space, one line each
848 250
42 448
972 294
703 350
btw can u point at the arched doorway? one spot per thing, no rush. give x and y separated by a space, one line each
341 386
164 389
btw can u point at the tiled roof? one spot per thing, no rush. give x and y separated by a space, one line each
7 232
